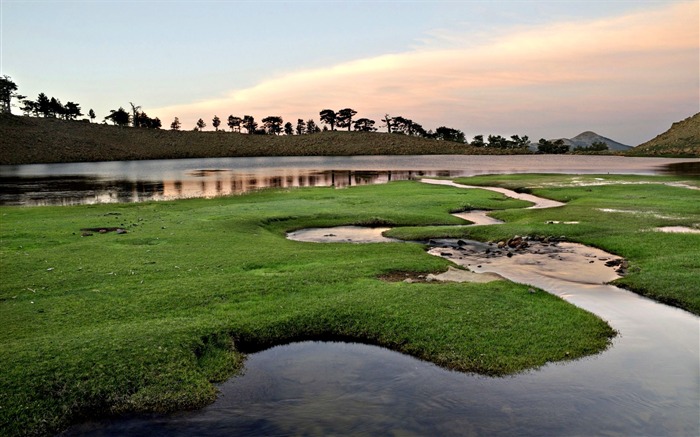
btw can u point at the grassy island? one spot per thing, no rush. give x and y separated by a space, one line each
144 320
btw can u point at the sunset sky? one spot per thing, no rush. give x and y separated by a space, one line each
624 69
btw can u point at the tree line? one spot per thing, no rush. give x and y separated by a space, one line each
275 125
43 105
331 121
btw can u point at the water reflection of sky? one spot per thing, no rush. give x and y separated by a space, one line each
135 181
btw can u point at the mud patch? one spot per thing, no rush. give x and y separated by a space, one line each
409 277
451 275
570 262
342 234
459 275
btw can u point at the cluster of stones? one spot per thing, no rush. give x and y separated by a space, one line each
88 232
518 243
620 265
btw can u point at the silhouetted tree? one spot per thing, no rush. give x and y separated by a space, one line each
141 120
92 115
249 124
288 128
8 90
216 122
365 125
518 142
43 105
175 125
498 142
312 127
328 116
478 141
387 122
135 114
554 147
407 126
56 108
234 123
72 111
301 127
201 124
273 124
30 107
344 117
596 146
119 117
449 134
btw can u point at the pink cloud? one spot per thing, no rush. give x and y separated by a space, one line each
528 81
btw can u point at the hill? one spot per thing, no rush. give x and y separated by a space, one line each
586 139
682 139
29 140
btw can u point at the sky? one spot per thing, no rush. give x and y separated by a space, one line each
544 68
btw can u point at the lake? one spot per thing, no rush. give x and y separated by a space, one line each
137 181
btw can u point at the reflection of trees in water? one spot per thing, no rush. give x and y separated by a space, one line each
691 168
73 190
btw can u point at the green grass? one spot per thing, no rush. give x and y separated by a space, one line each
146 321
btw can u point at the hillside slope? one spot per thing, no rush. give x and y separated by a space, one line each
682 139
28 140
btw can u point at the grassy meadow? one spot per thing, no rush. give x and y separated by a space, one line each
147 320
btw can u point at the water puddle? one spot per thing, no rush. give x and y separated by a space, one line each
678 230
538 202
478 217
637 212
342 234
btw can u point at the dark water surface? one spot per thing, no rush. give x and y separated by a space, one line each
136 181
323 389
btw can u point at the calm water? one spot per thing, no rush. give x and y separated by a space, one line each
135 181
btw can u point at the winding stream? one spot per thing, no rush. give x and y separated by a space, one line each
646 384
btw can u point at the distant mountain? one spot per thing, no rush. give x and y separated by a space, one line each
586 139
682 139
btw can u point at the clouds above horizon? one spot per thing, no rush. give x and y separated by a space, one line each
546 80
